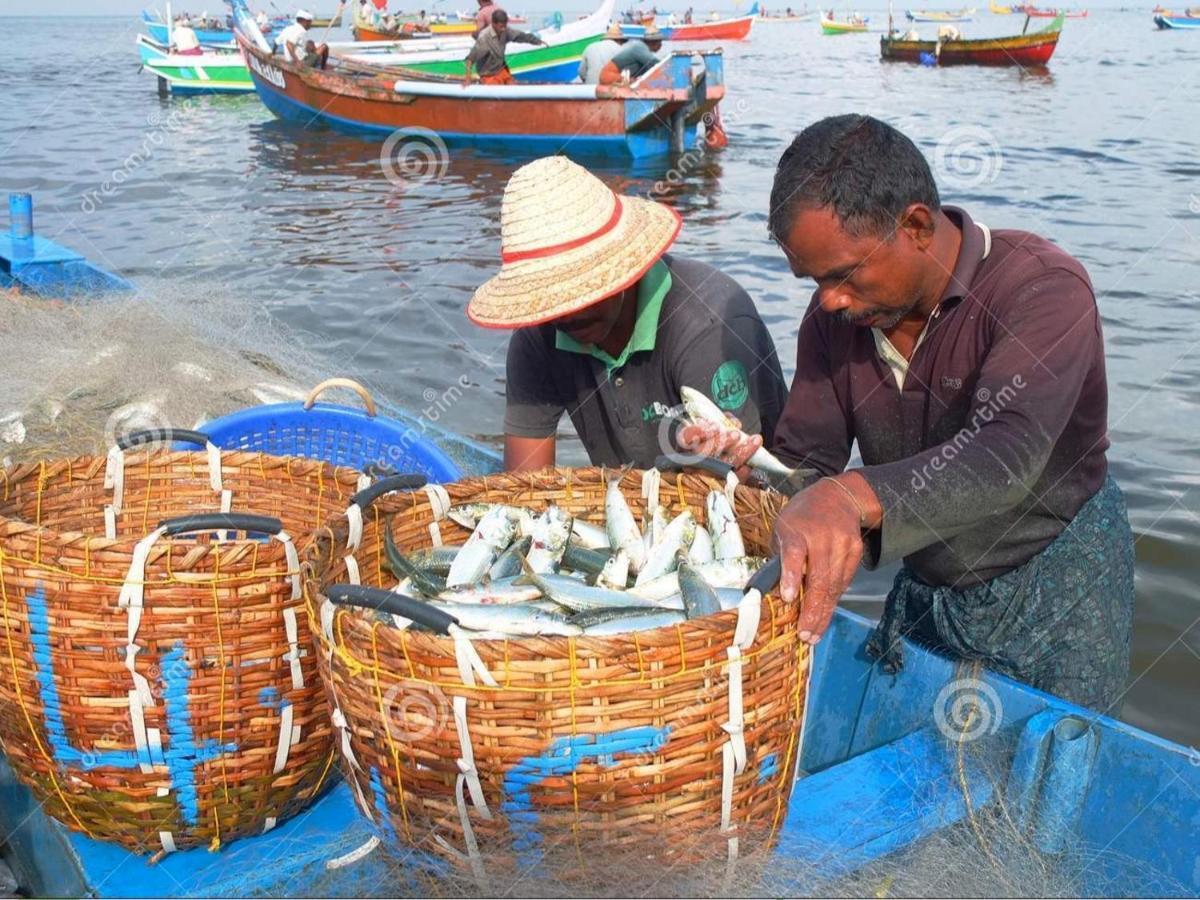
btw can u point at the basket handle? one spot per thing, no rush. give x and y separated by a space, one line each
397 604
710 464
222 522
162 435
767 576
341 382
370 494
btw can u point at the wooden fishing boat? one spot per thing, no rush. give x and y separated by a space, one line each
328 21
212 72
781 19
999 10
558 61
157 30
833 26
1166 20
930 15
655 115
736 29
1034 13
1033 49
889 766
364 33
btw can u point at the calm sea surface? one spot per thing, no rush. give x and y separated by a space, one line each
1100 153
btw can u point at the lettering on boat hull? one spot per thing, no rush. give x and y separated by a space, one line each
267 71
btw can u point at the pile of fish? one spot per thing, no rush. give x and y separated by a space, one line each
524 572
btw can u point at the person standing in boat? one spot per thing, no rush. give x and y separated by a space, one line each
488 54
295 45
483 17
968 365
597 55
609 326
633 60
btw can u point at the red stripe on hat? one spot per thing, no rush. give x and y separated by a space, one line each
555 249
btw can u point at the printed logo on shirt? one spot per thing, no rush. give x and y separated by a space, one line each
730 385
652 412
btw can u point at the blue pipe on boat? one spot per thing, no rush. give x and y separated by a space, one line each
1051 774
20 212
1073 745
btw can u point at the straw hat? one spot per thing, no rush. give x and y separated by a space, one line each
614 32
652 33
567 241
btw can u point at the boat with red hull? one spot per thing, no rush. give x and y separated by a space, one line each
736 29
1027 50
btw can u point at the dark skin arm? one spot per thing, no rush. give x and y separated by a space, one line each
523 454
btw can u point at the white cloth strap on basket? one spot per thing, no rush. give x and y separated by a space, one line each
439 506
731 483
733 751
338 718
114 481
651 483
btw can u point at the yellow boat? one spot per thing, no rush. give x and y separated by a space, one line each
999 10
832 26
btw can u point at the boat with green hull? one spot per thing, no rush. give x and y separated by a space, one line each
210 72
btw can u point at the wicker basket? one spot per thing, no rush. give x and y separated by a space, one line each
601 741
158 688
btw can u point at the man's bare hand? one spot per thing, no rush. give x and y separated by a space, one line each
818 535
730 445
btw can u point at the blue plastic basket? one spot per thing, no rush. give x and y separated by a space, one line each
341 435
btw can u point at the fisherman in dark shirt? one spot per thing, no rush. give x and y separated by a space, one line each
609 327
968 365
488 54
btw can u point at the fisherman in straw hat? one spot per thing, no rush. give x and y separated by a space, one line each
598 54
635 59
609 327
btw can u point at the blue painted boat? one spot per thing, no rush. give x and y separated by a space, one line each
157 29
888 765
38 265
1168 21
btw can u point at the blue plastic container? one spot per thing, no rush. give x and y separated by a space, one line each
341 435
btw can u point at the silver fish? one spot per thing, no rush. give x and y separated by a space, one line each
626 624
621 526
589 535
615 574
702 409
678 535
723 527
579 597
592 562
468 515
701 550
516 619
729 598
434 560
497 593
491 536
551 532
719 573
699 597
508 564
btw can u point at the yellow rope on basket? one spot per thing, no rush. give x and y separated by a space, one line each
221 709
387 730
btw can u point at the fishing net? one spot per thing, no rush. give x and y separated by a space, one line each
74 375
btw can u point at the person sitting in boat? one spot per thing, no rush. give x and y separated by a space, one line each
633 60
609 325
968 366
295 45
597 55
184 42
488 54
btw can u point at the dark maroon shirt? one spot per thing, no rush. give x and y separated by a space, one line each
999 434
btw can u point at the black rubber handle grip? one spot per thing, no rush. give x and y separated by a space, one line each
369 495
389 602
162 435
666 463
222 522
767 576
